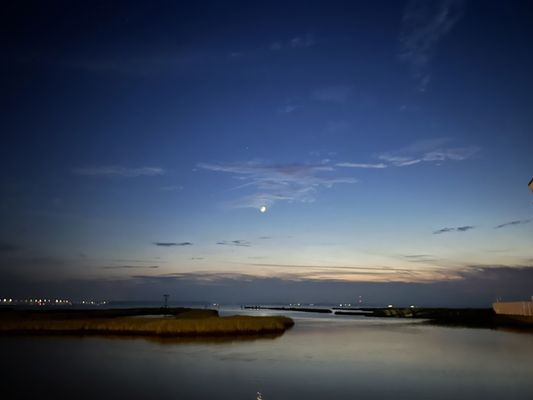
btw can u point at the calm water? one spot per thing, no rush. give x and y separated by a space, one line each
322 357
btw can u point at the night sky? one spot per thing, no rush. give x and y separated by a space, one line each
390 142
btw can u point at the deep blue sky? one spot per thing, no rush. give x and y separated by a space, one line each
389 141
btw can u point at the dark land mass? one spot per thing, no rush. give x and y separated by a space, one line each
160 322
73 313
467 317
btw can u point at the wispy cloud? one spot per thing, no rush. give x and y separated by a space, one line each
289 108
424 24
436 150
170 244
454 229
282 182
332 94
296 42
115 171
511 223
417 256
131 267
361 165
239 243
421 258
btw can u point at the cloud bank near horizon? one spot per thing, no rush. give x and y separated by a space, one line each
475 286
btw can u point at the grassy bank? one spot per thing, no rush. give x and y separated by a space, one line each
188 323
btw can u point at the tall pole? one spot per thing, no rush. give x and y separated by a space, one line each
166 300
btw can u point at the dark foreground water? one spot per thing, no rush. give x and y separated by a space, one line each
322 357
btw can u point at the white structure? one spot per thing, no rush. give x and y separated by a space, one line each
522 308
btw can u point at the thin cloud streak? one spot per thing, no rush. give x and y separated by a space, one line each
171 244
239 243
511 223
422 259
361 165
416 256
454 229
119 171
430 150
289 108
434 151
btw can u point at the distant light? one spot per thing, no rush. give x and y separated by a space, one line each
390 306
411 306
263 209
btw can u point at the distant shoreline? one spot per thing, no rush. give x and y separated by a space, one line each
173 322
461 317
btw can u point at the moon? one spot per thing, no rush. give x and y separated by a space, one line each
263 209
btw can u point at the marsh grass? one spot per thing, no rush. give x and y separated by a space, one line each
184 325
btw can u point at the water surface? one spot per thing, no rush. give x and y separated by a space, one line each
322 357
